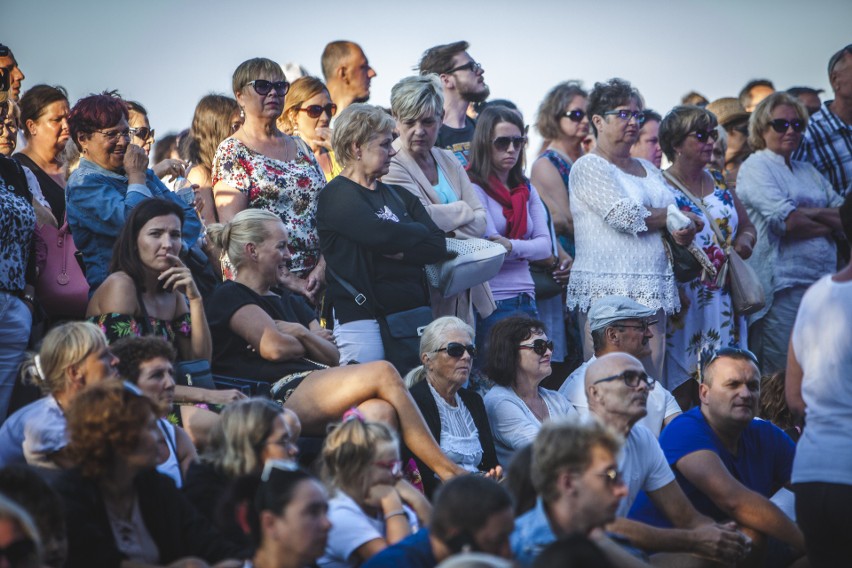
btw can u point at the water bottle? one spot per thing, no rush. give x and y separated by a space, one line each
183 189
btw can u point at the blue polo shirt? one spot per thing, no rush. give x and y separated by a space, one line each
414 551
532 534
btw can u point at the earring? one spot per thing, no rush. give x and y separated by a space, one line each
242 114
359 157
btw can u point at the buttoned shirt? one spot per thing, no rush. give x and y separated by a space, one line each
827 145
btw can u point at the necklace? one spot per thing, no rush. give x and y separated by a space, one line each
700 193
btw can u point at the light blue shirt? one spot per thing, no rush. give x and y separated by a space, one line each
532 534
444 189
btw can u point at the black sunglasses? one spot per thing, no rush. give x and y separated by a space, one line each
780 125
631 378
315 111
262 87
705 358
142 132
575 115
702 135
625 114
456 350
538 346
472 65
502 142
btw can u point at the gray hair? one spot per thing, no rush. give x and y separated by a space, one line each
432 339
416 96
357 124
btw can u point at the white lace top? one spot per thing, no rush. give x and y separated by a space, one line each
616 253
459 436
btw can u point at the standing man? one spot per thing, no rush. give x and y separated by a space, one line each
827 143
347 73
755 91
463 82
16 76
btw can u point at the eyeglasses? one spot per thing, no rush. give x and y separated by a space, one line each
456 350
612 477
643 326
631 378
625 114
19 552
780 125
470 65
394 466
262 87
706 357
142 133
575 115
539 346
277 465
702 135
113 135
315 111
502 142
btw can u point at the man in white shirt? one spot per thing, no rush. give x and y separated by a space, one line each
620 325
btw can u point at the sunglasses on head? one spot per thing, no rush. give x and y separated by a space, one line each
456 350
538 346
781 125
702 135
502 142
575 115
315 111
705 358
142 133
631 378
625 114
262 87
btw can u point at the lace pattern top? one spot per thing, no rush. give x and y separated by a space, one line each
459 435
615 251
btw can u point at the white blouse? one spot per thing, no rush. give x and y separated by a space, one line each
459 435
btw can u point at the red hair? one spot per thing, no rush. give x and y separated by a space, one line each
96 112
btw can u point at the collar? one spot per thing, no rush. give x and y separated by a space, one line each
88 165
824 115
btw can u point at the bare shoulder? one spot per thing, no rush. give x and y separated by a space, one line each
117 295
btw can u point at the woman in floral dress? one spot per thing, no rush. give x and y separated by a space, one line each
261 167
707 320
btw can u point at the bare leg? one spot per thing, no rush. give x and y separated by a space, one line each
325 395
198 422
377 410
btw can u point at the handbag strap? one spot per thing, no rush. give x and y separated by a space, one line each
713 224
359 298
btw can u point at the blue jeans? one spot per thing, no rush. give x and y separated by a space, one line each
523 304
15 323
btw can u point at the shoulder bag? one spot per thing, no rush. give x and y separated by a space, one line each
61 287
477 261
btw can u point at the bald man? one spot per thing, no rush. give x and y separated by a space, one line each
347 73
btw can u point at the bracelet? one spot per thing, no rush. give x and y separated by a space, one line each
395 514
752 235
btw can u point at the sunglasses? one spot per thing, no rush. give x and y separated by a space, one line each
631 378
706 358
703 135
780 125
394 466
315 111
502 142
575 115
539 346
142 133
262 87
456 350
471 65
113 135
625 114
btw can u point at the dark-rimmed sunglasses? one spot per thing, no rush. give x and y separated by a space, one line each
142 132
576 115
262 87
625 114
455 349
705 358
502 142
702 135
315 111
470 65
538 346
781 125
631 378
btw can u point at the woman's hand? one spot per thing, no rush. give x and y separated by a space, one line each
170 167
290 328
135 164
222 397
562 270
178 278
383 496
499 239
744 244
315 282
495 473
322 138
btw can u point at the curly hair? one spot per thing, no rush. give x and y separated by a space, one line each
502 355
105 423
609 95
553 107
133 351
350 449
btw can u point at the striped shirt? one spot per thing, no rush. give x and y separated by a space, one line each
827 144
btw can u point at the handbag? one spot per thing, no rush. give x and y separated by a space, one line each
684 264
476 261
61 287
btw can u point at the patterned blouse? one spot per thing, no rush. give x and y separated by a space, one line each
17 223
288 189
116 326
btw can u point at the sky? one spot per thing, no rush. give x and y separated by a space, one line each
167 54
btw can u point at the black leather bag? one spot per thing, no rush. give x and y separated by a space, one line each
248 387
684 265
401 336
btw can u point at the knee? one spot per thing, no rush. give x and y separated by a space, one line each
377 410
385 374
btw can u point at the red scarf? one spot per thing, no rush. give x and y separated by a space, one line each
514 202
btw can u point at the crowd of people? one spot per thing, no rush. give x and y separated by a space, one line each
228 347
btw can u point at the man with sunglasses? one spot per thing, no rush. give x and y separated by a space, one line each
16 76
618 388
347 73
729 463
621 325
463 83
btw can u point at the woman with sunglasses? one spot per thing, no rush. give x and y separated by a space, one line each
308 111
436 177
372 506
455 415
707 318
515 216
142 135
619 207
517 361
796 214
260 167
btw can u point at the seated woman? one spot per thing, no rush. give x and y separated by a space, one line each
118 508
455 415
436 177
518 359
112 178
72 356
372 506
262 335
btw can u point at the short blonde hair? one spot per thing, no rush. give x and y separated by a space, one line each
758 124
358 124
253 69
247 226
416 96
64 346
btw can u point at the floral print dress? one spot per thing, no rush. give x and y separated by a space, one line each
288 189
709 322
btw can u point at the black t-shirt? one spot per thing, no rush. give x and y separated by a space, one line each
457 140
232 355
53 192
